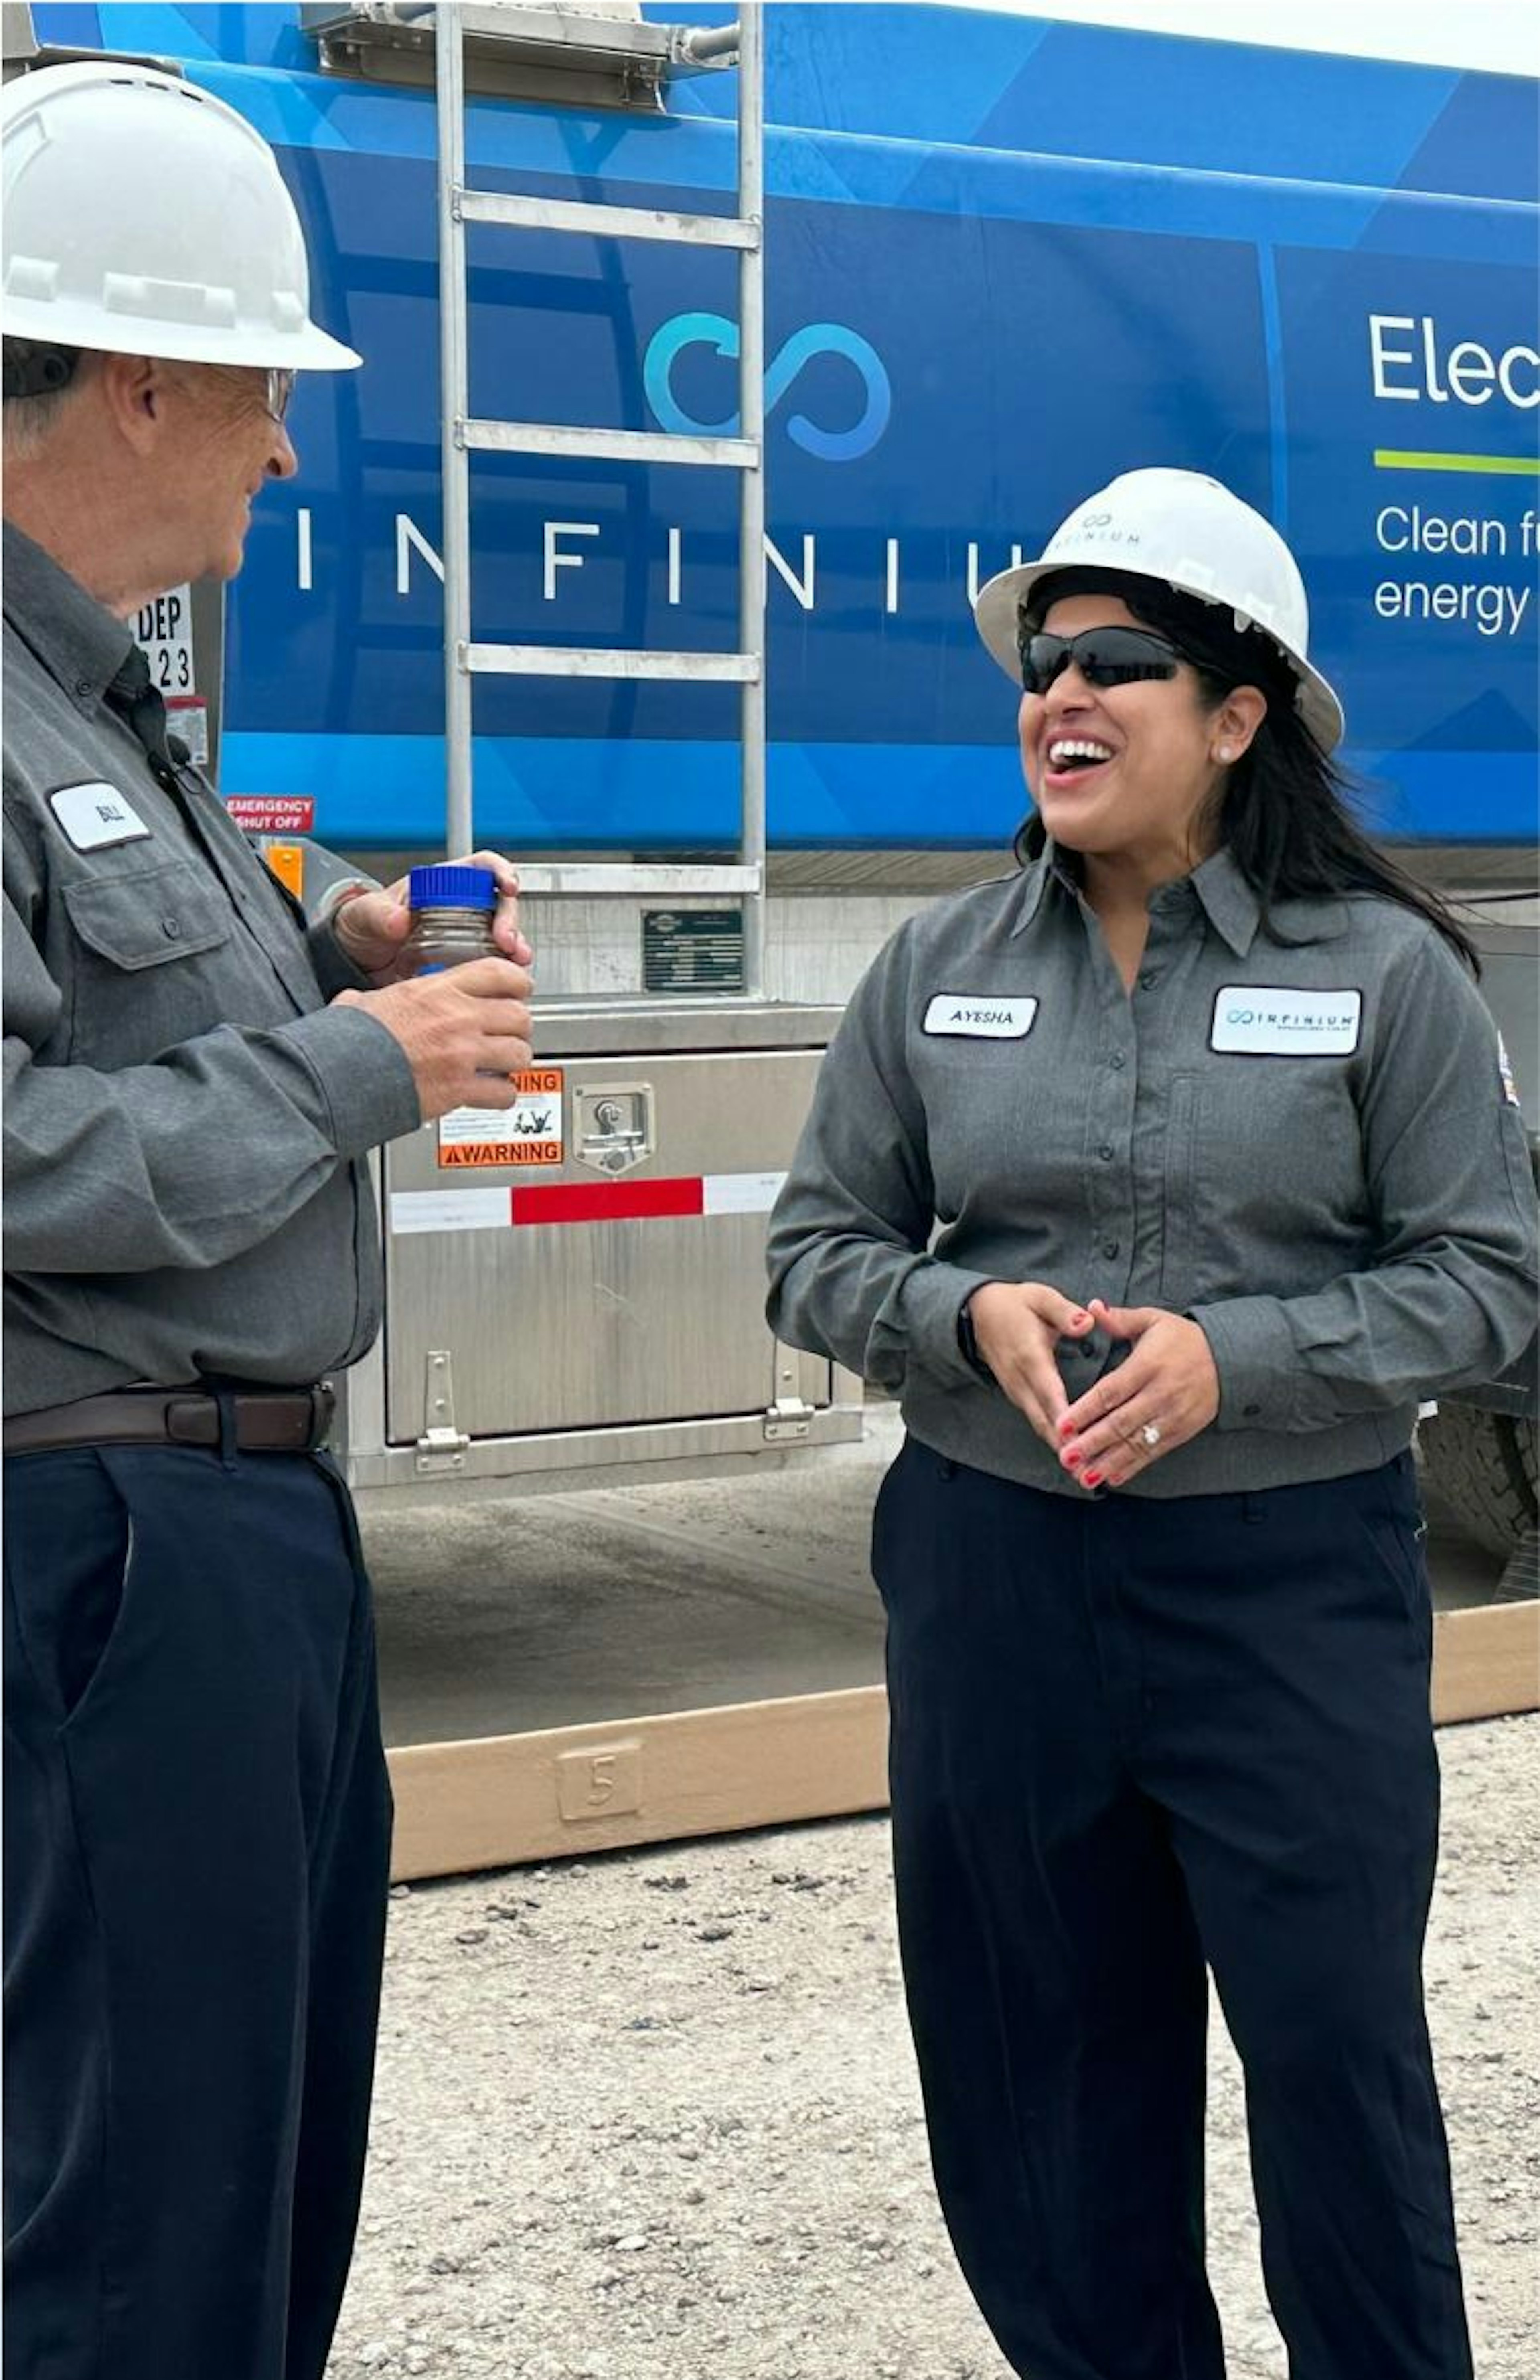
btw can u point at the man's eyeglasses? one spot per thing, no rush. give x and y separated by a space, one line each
1103 657
280 388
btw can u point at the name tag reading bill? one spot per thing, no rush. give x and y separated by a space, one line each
95 816
982 1019
1261 1020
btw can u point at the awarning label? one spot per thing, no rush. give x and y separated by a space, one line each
530 1132
96 816
1264 1020
975 1015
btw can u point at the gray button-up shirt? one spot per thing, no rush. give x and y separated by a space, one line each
183 1115
1307 1147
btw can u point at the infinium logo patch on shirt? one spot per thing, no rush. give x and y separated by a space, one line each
984 1018
95 816
1270 1020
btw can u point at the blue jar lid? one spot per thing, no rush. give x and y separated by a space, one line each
452 888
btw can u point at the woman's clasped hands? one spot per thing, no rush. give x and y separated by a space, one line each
1165 1392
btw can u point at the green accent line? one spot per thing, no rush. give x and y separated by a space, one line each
1520 466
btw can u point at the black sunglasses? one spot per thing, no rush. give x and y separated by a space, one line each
1103 656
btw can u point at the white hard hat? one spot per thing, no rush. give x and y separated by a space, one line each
143 216
1189 532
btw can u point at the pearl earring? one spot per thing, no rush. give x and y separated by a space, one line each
1225 752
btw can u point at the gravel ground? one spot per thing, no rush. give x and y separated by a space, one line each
653 2117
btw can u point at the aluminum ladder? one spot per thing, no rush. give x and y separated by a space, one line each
465 660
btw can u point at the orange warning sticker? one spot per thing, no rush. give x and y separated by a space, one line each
502 1152
530 1132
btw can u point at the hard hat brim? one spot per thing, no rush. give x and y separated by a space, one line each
1000 601
309 348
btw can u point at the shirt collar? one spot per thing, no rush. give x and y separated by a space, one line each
1234 911
1228 903
1050 868
78 641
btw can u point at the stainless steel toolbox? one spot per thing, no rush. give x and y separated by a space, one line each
575 1289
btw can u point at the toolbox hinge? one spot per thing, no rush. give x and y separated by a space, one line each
788 1417
441 1446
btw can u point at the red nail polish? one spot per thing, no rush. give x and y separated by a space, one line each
1080 1321
1066 1429
1073 1459
1092 1478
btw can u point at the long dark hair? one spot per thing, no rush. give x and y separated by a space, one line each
1283 813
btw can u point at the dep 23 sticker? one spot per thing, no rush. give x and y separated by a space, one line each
530 1132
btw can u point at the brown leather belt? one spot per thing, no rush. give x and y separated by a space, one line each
267 1421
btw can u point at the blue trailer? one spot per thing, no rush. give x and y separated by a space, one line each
1005 259
1313 277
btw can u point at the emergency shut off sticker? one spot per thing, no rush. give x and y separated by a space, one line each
530 1132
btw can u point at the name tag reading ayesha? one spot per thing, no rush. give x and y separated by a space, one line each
95 816
987 1020
1261 1020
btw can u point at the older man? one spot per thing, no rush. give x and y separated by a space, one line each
197 1813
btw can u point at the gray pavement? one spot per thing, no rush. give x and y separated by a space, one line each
654 2116
554 1610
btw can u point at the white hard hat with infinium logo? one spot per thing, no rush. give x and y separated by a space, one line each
144 217
1191 533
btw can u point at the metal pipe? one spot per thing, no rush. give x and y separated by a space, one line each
704 43
453 404
751 530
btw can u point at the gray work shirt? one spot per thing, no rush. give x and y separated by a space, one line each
1309 1149
184 1117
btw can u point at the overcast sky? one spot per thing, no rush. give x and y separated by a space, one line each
1500 34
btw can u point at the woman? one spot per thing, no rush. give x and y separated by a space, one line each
1213 1123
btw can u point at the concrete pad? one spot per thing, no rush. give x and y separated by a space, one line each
558 1609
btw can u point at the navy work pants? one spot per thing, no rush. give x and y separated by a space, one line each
1132 1738
197 1823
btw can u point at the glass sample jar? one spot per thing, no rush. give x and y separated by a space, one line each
453 910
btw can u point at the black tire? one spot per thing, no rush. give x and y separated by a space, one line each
1485 1469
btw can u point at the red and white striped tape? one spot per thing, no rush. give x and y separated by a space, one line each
488 1209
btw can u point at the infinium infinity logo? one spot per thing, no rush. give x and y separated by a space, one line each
714 331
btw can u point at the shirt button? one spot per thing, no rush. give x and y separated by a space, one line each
1250 1413
1117 1061
171 928
84 685
1106 1152
1109 1247
1150 976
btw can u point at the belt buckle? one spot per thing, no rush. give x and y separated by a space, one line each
323 1407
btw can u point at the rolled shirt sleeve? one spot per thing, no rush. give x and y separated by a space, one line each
1450 1301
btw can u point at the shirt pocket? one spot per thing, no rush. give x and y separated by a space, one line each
149 965
1265 1191
1005 1128
148 917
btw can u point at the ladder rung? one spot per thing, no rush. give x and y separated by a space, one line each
597 876
606 222
605 660
608 445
